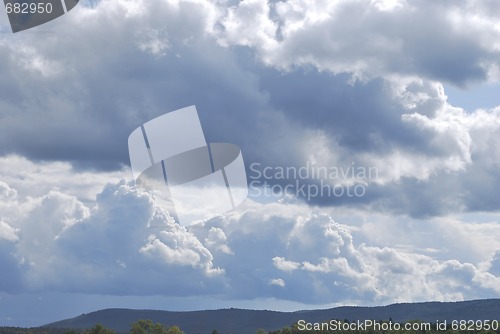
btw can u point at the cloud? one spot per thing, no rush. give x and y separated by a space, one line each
137 246
494 264
281 264
83 101
216 241
359 38
277 282
319 261
123 243
23 178
8 237
7 232
296 90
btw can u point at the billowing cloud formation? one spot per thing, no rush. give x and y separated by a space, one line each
123 243
452 41
315 81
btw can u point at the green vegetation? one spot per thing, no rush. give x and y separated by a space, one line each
138 327
39 330
328 327
148 327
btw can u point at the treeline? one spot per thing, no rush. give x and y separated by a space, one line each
339 327
138 327
389 327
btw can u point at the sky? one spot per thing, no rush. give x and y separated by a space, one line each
397 100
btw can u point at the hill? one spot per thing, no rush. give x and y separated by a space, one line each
248 321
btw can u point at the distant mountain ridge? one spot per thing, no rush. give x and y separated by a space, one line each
239 321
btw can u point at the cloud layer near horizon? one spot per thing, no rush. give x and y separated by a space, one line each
124 244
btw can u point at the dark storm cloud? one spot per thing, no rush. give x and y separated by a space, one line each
85 98
80 106
353 113
347 89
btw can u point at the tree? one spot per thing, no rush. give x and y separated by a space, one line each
144 327
148 327
99 329
174 330
70 331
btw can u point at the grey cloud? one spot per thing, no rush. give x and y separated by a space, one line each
10 274
78 102
96 98
86 98
495 264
